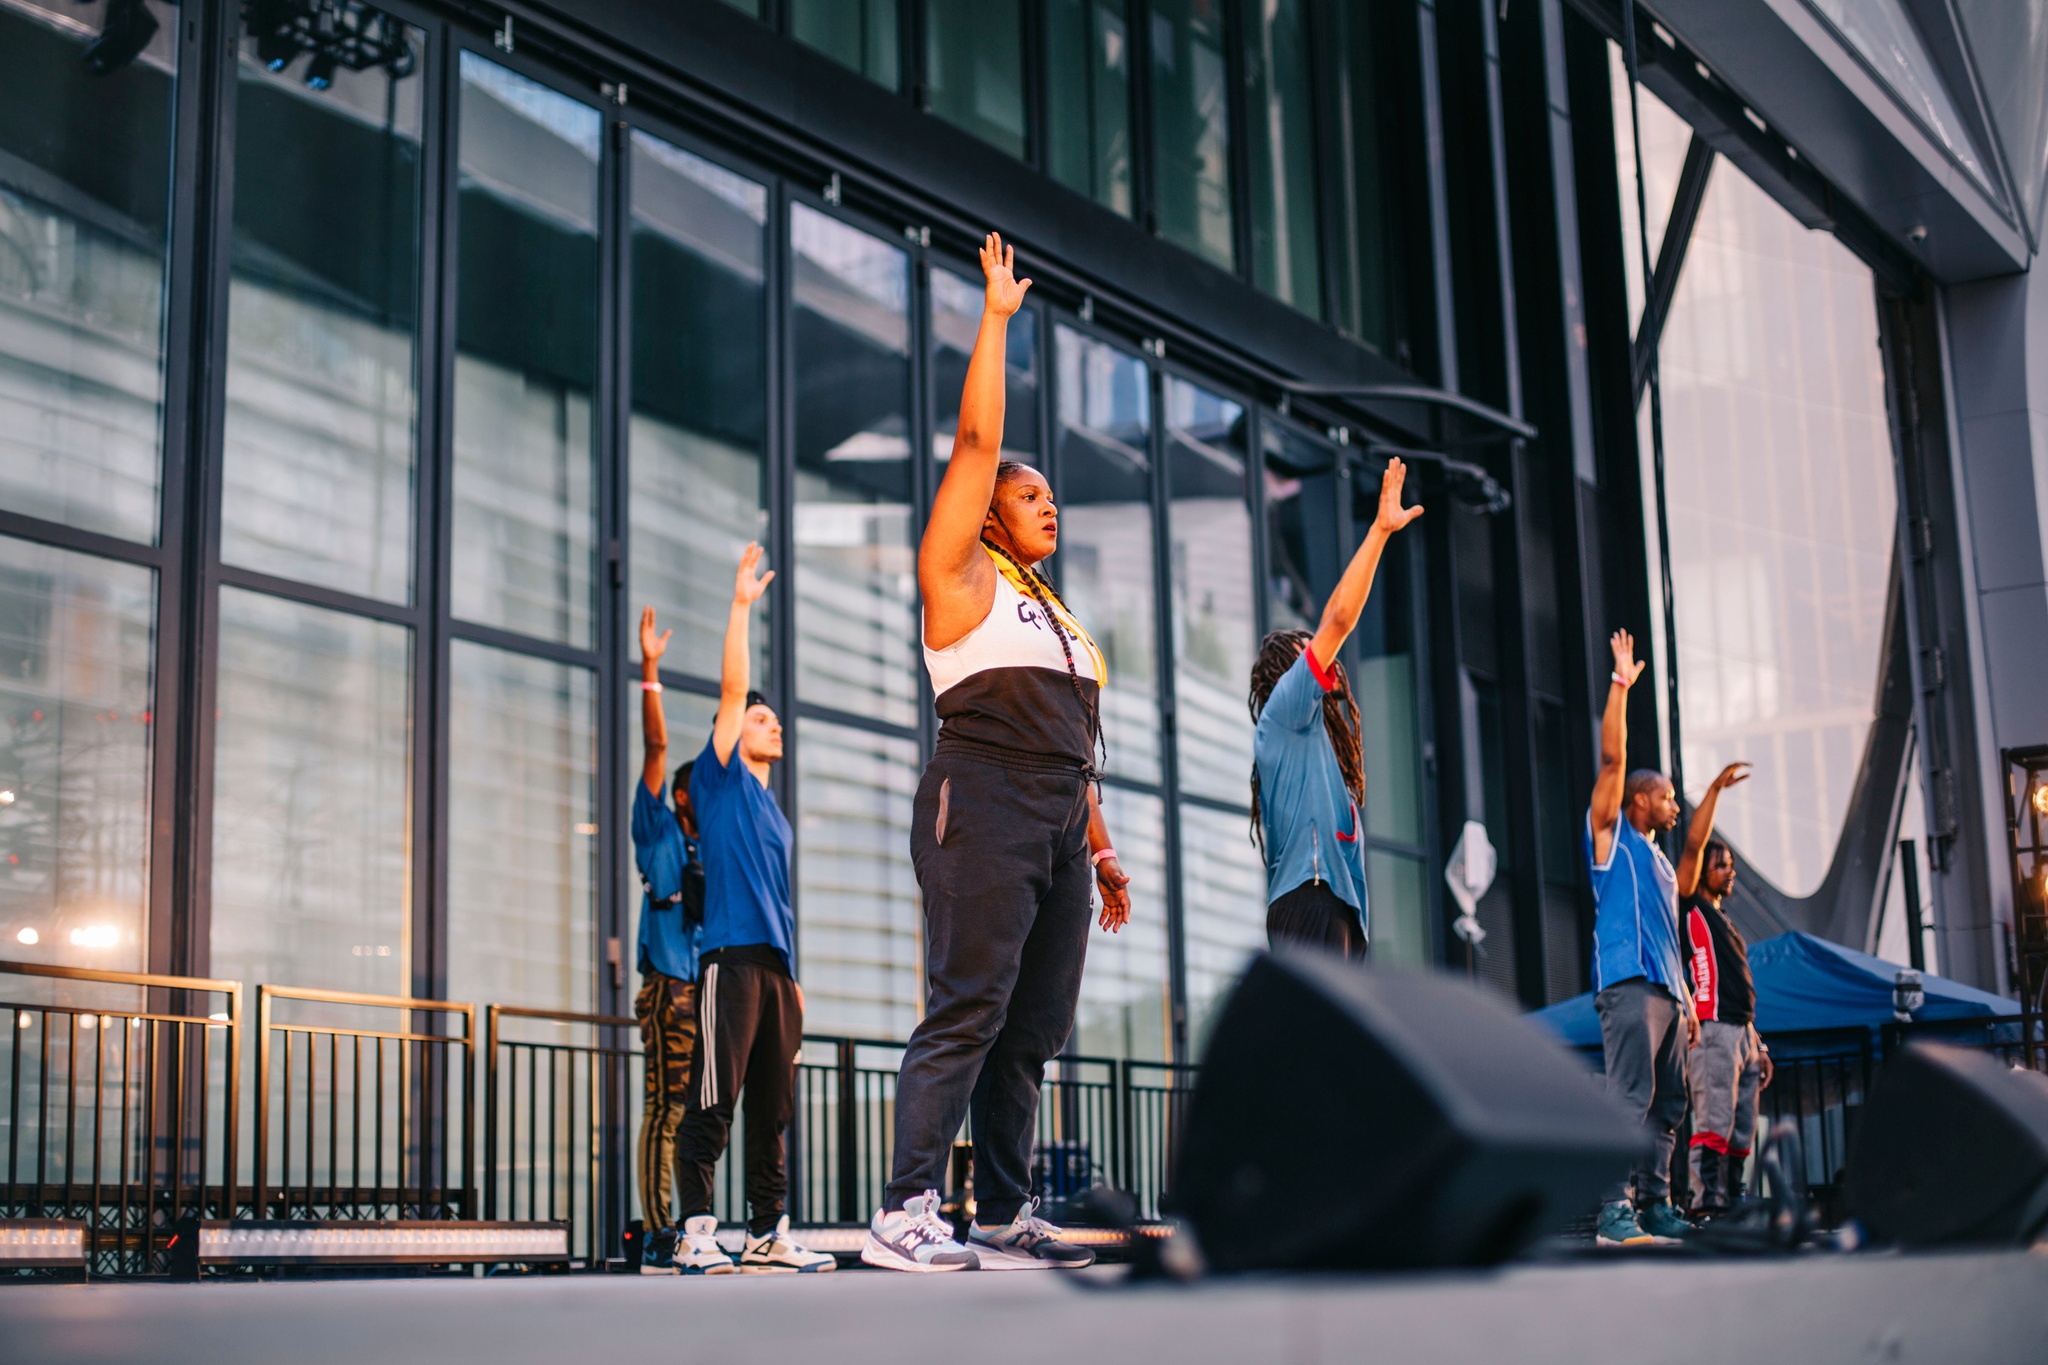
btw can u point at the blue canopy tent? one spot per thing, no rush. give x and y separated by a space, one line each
1803 983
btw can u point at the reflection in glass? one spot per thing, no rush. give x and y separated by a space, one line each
1665 138
1215 622
1885 34
1370 265
1104 564
1191 128
1301 526
2009 45
1126 1008
956 319
526 356
1223 907
1088 100
856 33
974 68
1398 888
311 803
1280 148
322 306
856 581
84 177
859 925
522 830
1781 506
700 398
75 650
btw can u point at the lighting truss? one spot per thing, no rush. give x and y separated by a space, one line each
336 33
340 1242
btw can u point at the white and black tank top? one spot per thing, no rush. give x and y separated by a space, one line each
1006 683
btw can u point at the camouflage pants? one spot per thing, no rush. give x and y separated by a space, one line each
667 1010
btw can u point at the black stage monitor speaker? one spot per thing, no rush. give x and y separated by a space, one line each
1352 1118
1952 1148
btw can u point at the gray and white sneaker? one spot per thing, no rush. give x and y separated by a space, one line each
1026 1242
916 1239
775 1253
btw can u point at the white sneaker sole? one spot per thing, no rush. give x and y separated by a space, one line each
995 1258
658 1270
875 1253
727 1269
784 1268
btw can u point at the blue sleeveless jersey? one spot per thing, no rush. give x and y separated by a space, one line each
1635 923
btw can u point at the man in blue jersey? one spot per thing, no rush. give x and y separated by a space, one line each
671 908
1638 973
750 1011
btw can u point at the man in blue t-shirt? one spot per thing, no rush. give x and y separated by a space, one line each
671 909
750 1011
1638 975
1308 766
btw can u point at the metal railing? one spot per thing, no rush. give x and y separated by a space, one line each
561 1115
121 1114
2019 1040
393 1107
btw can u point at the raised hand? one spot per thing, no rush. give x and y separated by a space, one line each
998 263
652 646
1731 775
1625 665
747 584
1392 515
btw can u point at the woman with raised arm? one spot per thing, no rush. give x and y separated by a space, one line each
1007 838
1308 765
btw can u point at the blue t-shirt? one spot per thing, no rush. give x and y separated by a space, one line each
743 837
667 943
1310 820
1635 922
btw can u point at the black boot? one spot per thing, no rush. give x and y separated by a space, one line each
1731 1166
1713 1195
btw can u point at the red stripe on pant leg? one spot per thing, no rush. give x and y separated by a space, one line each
1714 1141
1738 1152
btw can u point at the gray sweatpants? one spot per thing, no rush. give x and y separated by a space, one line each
1724 1070
1642 1032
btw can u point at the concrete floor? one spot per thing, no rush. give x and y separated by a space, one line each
1812 1311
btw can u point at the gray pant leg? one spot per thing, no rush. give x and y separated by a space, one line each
1639 1025
1742 1135
1712 1069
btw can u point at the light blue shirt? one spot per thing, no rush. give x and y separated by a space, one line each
668 942
1310 820
1635 922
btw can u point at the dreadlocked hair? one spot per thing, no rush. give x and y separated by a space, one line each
1277 653
1036 584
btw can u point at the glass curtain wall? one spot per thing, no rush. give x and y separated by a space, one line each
1191 129
1782 513
861 34
1369 269
1088 99
974 68
84 225
856 626
522 742
1280 146
956 304
312 752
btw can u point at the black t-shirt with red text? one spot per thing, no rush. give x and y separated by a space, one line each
1717 962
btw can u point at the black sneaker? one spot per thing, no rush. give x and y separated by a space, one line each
658 1253
1027 1242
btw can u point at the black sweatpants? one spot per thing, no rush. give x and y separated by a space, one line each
750 1035
1001 854
1314 914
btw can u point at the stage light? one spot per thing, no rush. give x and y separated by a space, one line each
348 1242
28 936
95 936
320 72
2040 799
41 1244
6 798
128 28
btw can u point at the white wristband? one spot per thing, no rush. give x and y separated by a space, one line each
1100 854
1618 678
646 686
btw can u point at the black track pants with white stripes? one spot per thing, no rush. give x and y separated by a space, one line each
750 1030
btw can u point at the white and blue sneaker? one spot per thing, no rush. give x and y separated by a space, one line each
658 1252
916 1239
700 1253
1026 1242
773 1253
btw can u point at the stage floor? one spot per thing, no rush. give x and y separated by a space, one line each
1865 1309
